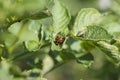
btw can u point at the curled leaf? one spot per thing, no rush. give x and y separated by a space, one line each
32 45
111 51
85 17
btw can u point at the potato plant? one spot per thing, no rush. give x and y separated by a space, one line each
38 36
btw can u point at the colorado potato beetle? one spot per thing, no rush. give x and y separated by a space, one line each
59 40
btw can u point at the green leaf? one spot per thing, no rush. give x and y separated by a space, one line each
111 51
86 17
86 60
32 45
61 17
97 33
94 32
